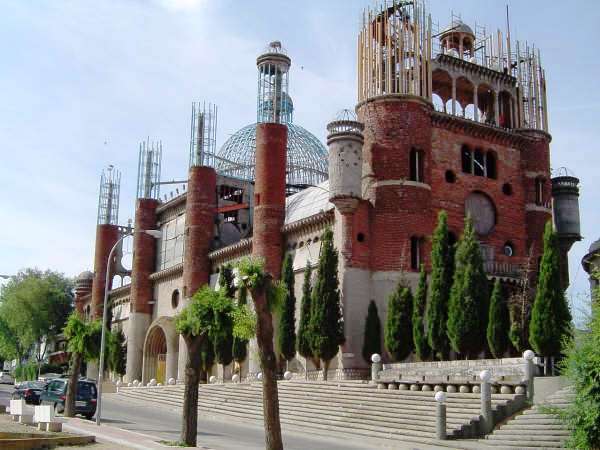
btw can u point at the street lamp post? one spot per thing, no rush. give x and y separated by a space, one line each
155 234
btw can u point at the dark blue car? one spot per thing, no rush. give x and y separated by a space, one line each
55 395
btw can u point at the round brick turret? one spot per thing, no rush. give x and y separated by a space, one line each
199 227
395 127
537 185
107 236
269 195
83 288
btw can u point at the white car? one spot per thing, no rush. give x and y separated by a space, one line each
6 378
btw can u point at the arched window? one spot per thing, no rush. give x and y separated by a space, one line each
490 165
175 298
416 165
478 163
467 159
416 252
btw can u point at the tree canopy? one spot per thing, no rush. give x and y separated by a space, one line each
286 335
372 338
436 312
498 322
326 320
550 315
303 341
34 307
398 334
467 310
422 349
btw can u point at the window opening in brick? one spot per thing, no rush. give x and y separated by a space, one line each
416 165
450 176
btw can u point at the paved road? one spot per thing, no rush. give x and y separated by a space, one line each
218 434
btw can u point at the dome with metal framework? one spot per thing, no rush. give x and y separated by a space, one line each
306 157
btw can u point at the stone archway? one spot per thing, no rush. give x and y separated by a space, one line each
161 351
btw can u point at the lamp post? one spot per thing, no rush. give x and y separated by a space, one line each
155 234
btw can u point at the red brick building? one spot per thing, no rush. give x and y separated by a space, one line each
449 119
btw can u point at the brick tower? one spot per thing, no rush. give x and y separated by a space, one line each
144 256
200 210
107 235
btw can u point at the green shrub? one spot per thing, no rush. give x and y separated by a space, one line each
582 368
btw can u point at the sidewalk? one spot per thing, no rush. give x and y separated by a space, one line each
127 440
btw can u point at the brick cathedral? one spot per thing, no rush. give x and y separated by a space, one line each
447 118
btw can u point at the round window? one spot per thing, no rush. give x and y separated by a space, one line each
482 211
509 249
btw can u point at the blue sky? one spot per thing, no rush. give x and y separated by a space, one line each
81 83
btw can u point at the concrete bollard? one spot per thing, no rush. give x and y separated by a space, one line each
528 356
440 415
486 401
376 367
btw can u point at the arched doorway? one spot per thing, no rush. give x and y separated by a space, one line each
155 355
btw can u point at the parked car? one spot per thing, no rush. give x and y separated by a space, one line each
55 394
29 391
6 378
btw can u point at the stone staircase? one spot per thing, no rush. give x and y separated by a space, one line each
535 427
335 407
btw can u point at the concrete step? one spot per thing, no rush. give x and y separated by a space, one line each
544 431
518 441
389 420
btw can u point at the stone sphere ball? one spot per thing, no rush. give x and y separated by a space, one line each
440 396
528 355
485 375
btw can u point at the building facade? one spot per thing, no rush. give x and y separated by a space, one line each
451 119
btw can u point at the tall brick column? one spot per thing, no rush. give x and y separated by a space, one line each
269 195
144 260
395 125
106 237
536 163
200 212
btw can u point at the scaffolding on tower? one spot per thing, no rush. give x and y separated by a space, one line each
108 199
149 165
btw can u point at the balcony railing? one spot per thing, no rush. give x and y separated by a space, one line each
502 269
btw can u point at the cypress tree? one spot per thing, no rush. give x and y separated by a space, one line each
223 351
436 312
398 335
467 311
207 357
550 316
286 335
422 349
326 321
303 340
498 324
372 342
240 346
